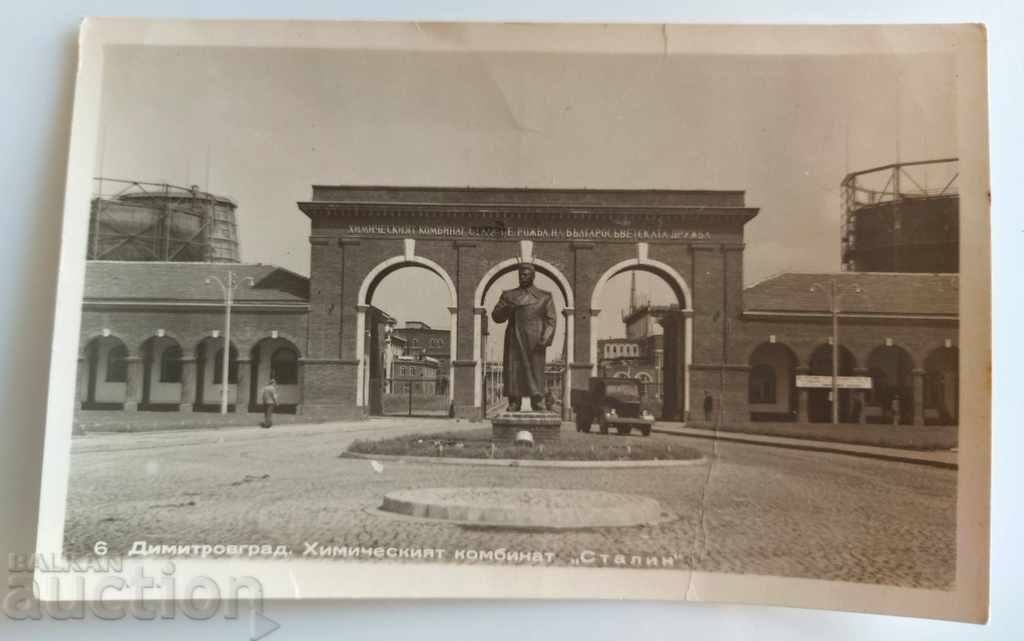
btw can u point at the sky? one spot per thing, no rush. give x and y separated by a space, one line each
263 125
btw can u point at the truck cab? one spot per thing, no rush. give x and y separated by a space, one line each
612 403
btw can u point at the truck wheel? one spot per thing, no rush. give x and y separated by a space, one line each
602 423
582 422
646 431
623 430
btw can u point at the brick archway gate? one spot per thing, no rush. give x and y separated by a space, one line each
579 238
678 356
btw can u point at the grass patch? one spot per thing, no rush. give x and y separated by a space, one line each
573 446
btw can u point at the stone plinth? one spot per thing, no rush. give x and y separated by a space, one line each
546 427
525 507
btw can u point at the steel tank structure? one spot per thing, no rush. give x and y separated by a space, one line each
903 217
140 221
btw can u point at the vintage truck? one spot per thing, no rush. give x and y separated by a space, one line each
613 403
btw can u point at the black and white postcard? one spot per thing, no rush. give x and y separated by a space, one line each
524 311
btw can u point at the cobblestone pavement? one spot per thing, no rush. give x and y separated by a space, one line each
750 509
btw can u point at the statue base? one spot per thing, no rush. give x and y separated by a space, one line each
546 427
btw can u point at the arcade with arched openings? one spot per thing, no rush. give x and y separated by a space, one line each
210 375
105 365
772 391
274 358
941 386
891 397
161 374
819 401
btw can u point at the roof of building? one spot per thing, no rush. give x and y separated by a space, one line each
880 293
531 196
422 330
186 282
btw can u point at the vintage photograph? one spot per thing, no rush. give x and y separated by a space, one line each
558 301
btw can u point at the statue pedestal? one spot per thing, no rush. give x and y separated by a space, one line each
546 427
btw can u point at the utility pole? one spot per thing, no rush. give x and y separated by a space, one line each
228 290
834 292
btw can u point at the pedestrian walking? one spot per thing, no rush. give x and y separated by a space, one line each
709 406
269 398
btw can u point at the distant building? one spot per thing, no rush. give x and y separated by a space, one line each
418 374
641 355
422 340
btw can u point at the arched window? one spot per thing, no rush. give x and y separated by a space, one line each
218 367
117 364
170 365
762 384
284 366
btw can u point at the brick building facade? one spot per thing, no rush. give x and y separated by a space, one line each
152 336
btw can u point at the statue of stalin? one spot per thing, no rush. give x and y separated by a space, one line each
530 313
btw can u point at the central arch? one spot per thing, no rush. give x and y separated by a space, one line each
408 259
679 286
488 279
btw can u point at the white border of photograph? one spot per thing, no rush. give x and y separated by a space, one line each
294 578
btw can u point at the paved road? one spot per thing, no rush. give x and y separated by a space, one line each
751 509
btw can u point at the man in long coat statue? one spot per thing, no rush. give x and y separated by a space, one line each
530 313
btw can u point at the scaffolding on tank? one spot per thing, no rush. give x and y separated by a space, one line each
133 220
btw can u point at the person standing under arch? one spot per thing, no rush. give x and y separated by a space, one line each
269 398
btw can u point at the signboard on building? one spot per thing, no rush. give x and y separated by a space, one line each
825 382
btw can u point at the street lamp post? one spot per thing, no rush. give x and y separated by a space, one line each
228 290
834 292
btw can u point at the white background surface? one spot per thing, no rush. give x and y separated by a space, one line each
38 55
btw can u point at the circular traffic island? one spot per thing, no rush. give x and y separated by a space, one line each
525 507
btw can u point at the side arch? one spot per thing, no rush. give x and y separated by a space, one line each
679 286
375 275
674 278
397 262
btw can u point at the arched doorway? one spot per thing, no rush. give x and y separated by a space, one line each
819 403
891 398
942 386
488 340
662 327
406 338
107 373
161 374
273 358
210 372
772 392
